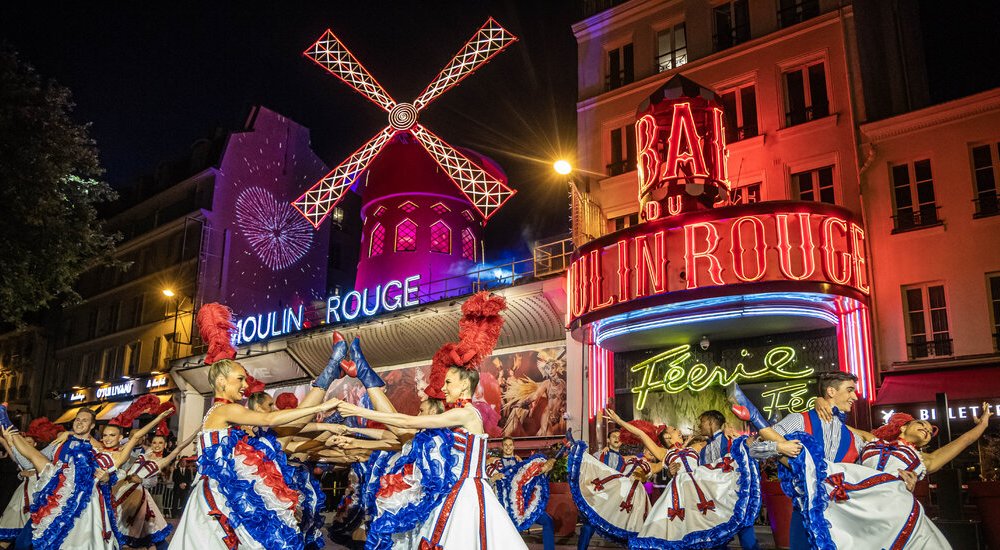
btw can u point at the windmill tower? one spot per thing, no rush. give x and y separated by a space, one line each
424 203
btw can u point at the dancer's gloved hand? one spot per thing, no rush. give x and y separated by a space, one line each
744 409
366 374
4 419
332 370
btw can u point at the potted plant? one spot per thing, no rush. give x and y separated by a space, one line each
776 502
561 507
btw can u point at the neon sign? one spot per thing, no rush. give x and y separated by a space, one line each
791 398
758 243
389 297
668 372
114 390
77 396
263 326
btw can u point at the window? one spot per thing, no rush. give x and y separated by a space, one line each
376 245
805 94
622 150
91 368
92 319
467 214
157 354
913 196
791 12
621 222
732 24
114 314
621 68
815 185
132 353
745 194
408 207
671 48
468 245
440 208
994 288
112 363
740 105
985 163
379 211
440 237
926 321
406 236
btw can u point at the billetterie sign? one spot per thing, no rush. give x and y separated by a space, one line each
758 243
354 305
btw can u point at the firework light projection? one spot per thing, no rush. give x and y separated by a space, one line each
275 231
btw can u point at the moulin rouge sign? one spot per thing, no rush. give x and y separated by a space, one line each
690 240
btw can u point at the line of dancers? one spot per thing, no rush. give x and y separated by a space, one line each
426 482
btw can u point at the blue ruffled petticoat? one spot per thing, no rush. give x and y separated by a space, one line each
524 491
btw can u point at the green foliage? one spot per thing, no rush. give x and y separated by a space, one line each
558 471
49 187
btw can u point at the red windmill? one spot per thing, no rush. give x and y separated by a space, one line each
484 191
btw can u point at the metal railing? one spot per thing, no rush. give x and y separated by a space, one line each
907 220
671 60
619 167
800 116
939 347
553 257
736 35
986 205
798 12
617 80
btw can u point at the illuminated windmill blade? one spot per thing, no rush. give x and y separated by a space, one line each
316 203
484 191
488 41
331 54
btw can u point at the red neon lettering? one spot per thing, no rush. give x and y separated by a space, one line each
652 211
645 131
651 266
837 271
805 246
674 205
623 271
718 148
597 282
578 285
682 127
860 267
691 255
759 248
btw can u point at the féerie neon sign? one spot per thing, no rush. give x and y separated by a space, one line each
669 372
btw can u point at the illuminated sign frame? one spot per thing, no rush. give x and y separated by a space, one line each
788 245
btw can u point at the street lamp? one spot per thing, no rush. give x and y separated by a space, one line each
178 300
562 167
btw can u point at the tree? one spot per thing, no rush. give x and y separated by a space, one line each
49 187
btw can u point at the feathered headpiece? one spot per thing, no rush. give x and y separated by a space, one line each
648 428
162 428
253 386
148 403
286 400
215 326
435 381
43 430
478 332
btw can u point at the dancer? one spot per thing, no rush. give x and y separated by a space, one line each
469 516
714 493
240 497
522 488
17 513
72 507
613 502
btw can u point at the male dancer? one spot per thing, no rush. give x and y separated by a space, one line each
506 467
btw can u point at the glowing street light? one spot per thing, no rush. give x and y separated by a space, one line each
562 167
168 293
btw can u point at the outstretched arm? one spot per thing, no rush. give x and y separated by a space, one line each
647 442
936 460
459 417
233 413
37 459
122 455
162 462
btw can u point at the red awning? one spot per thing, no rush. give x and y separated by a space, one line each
923 386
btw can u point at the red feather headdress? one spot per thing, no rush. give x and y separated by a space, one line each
648 428
216 326
478 332
43 430
147 403
286 400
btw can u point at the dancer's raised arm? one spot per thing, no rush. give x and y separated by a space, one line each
647 442
460 417
936 460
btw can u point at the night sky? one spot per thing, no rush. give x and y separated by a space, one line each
153 77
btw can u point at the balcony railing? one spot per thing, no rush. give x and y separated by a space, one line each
908 220
800 116
619 167
986 205
736 35
617 80
939 347
671 60
742 132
